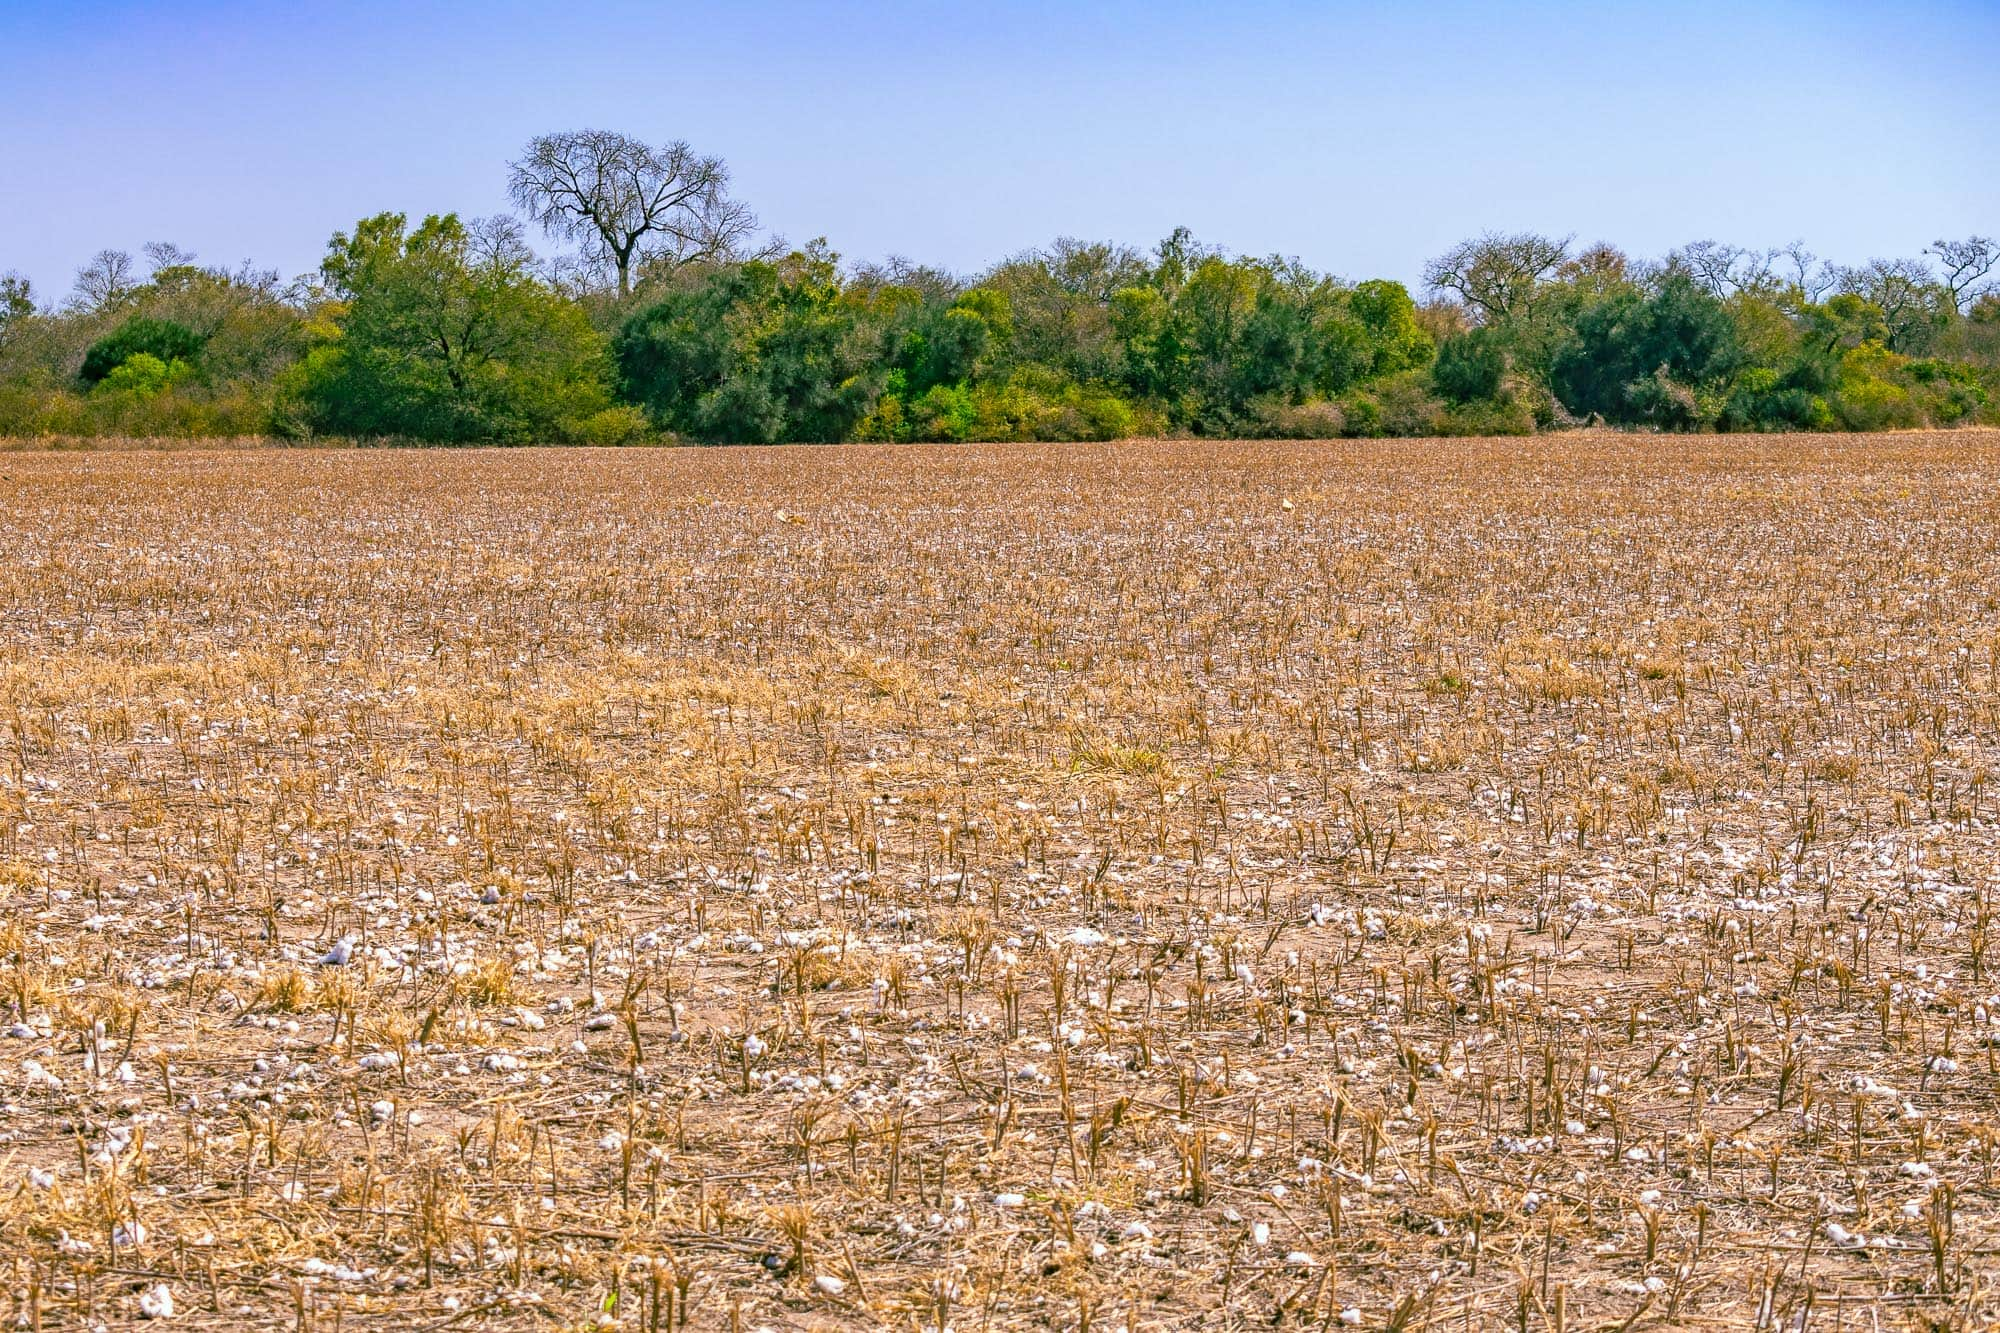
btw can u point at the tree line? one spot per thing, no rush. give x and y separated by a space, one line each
669 315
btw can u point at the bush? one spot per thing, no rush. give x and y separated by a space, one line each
612 426
1032 406
142 375
1393 405
1949 392
1511 414
161 339
1276 419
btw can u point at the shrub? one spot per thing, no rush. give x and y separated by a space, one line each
142 375
1512 414
611 426
161 339
1393 405
1317 419
1948 391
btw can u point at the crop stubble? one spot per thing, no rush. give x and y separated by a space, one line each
1493 884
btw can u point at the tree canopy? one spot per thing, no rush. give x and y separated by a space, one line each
670 315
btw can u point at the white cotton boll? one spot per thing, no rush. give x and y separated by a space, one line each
829 1284
754 1046
340 953
1300 1259
40 1179
1245 975
129 1234
1135 1231
157 1302
1009 1200
1350 1315
1260 1233
611 1142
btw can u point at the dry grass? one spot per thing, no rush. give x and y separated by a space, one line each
1509 885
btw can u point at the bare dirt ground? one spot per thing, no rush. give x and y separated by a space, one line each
1540 884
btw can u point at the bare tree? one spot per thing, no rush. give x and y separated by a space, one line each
1812 282
935 284
1723 269
628 203
498 243
1966 264
103 281
1910 298
166 255
1498 276
1598 269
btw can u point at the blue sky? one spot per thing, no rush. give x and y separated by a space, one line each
1360 138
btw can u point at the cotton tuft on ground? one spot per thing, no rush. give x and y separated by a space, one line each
1453 884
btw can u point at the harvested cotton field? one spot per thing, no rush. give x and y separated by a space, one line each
1460 884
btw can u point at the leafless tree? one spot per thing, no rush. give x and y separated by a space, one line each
103 281
1497 276
1597 268
935 284
1910 298
1966 264
1804 270
1724 269
628 203
165 255
498 242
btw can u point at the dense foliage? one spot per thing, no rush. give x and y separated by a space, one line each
444 333
453 332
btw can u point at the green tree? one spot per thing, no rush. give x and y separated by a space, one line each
17 302
758 353
1060 303
1660 359
443 333
1472 366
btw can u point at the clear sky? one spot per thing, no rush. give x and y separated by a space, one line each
1360 138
